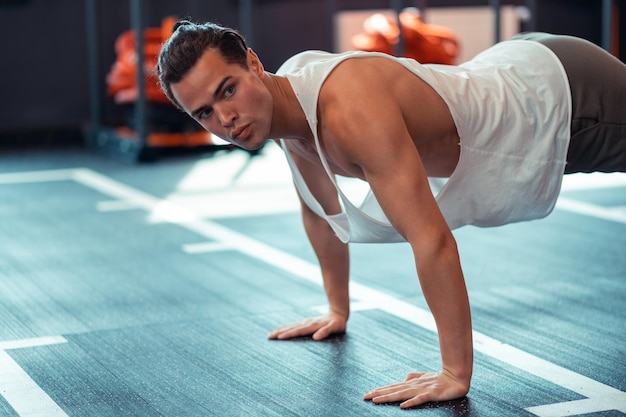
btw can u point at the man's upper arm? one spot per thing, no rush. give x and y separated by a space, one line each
374 136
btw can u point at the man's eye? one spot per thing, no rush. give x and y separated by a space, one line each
229 91
205 113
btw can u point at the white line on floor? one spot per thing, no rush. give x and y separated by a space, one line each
205 247
615 214
593 181
595 391
114 205
36 176
18 388
32 342
508 354
586 406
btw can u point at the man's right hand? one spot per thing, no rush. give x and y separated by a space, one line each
318 327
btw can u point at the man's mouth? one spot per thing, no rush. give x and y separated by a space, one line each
240 133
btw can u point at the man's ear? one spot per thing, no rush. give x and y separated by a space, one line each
254 63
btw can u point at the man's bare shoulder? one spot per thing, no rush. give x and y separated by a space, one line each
366 72
369 88
370 100
357 81
358 104
377 80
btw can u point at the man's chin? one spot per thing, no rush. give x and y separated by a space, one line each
251 146
248 144
251 143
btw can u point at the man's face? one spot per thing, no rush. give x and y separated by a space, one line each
228 100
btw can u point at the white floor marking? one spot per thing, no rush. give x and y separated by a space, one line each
206 247
116 205
423 318
615 214
586 406
593 181
36 176
354 306
18 388
32 342
597 393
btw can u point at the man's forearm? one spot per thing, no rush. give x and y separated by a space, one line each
444 288
334 259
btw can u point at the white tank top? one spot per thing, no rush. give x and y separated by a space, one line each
511 105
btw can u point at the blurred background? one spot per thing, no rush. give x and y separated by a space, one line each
62 74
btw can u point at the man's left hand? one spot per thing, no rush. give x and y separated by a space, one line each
420 388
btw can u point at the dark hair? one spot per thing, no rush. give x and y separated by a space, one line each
187 44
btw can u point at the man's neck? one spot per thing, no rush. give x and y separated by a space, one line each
288 119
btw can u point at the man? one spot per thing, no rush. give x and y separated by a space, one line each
500 131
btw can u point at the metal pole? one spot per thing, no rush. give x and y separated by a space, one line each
140 104
422 6
495 5
329 5
92 63
607 15
531 24
245 20
397 6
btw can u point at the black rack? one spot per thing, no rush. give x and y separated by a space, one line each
99 136
133 146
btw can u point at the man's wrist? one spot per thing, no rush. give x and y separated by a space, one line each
461 374
342 312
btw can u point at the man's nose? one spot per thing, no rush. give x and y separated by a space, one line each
226 116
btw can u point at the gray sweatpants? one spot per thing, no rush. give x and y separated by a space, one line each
598 84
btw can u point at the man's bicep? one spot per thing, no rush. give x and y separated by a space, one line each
404 194
393 167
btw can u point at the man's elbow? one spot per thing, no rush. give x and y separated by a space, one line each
435 248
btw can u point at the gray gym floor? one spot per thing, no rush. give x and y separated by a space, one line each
149 290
